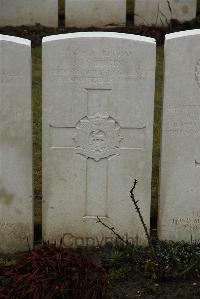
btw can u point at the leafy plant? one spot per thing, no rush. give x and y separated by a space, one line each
53 272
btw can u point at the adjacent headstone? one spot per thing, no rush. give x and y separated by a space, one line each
179 207
98 103
29 12
160 12
16 202
97 13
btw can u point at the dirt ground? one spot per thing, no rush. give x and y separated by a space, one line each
139 287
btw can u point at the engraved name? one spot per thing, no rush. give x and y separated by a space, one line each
11 76
197 72
183 120
188 224
97 64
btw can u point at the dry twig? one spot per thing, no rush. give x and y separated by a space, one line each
112 229
135 202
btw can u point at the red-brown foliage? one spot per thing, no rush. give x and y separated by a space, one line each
53 272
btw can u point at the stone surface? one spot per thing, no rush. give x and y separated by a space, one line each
29 12
99 13
158 12
179 207
16 216
98 98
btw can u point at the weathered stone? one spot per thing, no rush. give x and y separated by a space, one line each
98 13
29 12
160 12
179 208
16 202
98 98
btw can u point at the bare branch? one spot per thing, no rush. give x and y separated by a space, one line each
112 229
188 269
135 202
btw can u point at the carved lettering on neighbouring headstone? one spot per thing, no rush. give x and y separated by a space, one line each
197 72
188 224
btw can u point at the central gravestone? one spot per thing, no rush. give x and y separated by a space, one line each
98 91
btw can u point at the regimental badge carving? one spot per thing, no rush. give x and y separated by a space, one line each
97 137
197 72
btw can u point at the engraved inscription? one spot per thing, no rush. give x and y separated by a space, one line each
101 52
188 224
97 137
184 120
197 72
102 64
193 240
10 77
91 68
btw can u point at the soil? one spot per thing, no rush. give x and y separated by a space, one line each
139 287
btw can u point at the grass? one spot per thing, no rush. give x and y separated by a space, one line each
157 131
130 6
37 131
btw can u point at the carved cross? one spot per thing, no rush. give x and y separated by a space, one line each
98 138
197 164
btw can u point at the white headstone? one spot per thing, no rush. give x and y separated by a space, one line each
98 13
179 208
29 12
160 12
16 202
98 99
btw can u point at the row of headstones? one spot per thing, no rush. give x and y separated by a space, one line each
78 13
86 13
161 12
98 106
